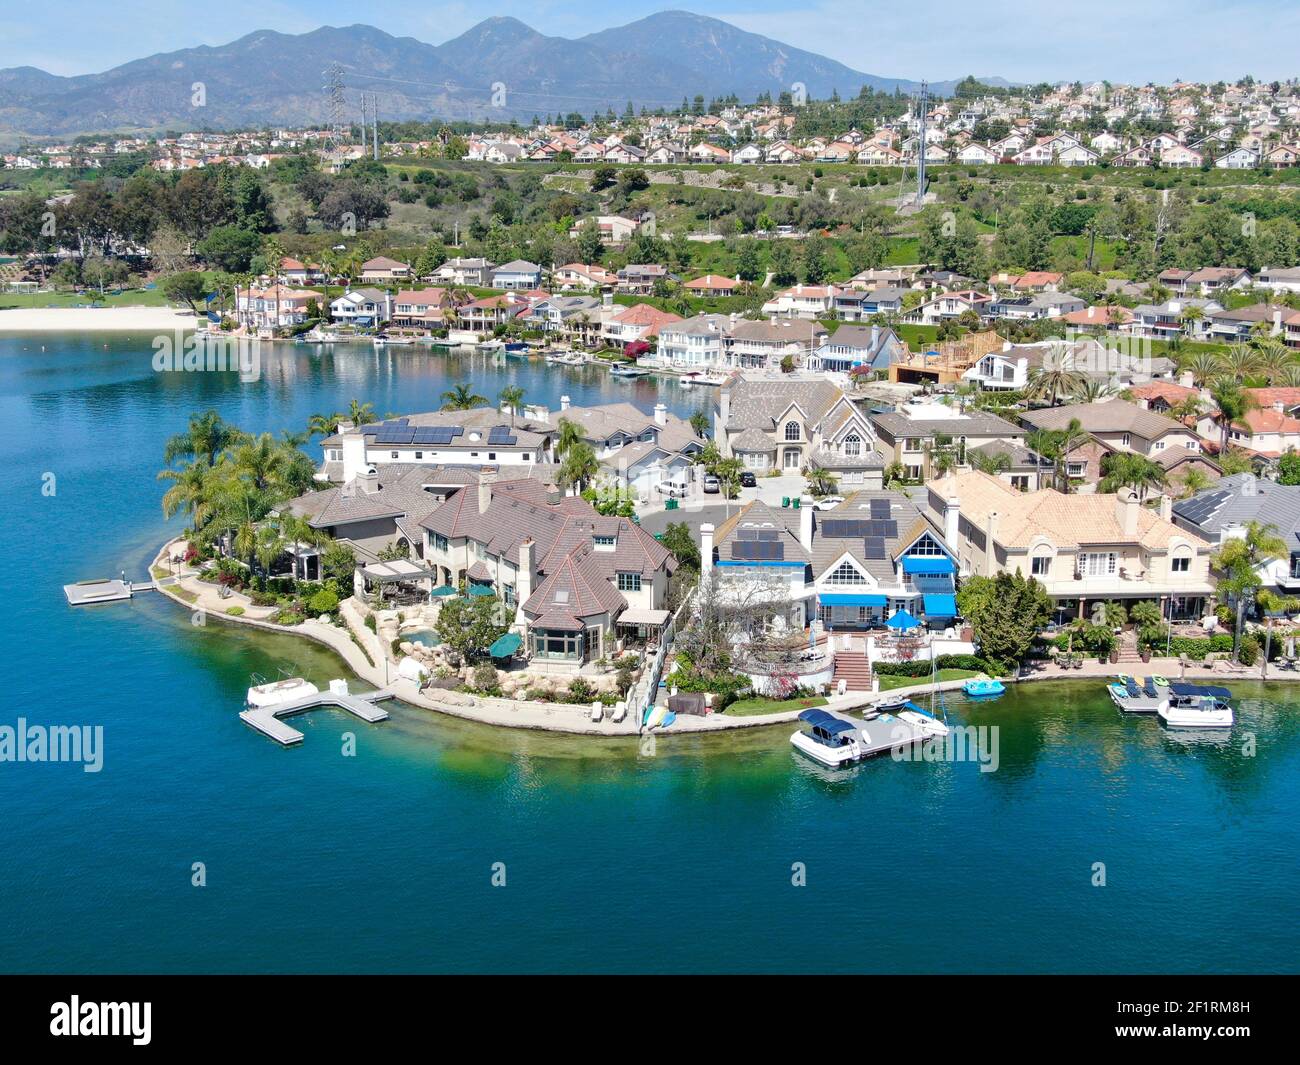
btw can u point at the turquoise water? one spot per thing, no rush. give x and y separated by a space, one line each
614 860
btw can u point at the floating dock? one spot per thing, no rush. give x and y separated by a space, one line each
267 719
84 593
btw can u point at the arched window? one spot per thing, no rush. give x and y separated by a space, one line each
792 430
853 445
1181 561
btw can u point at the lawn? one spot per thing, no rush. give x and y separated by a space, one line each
753 707
888 683
130 298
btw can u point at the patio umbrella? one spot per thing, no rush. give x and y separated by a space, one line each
902 621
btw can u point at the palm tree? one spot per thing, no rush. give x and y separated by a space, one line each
700 423
512 397
1239 361
1233 403
1125 469
1052 383
1238 562
1204 367
462 397
1093 390
990 462
191 491
206 437
570 434
362 413
820 481
1273 358
1194 481
580 465
323 424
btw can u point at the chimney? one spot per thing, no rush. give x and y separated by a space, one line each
368 481
991 532
806 528
724 409
1166 507
353 443
1186 379
564 403
661 414
951 522
875 337
1126 511
607 300
485 481
527 575
706 548
552 494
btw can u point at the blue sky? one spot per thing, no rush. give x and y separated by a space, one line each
1124 40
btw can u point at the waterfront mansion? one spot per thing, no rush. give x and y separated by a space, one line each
851 568
788 425
1081 548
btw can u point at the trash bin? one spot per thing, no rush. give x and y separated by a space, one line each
670 505
785 502
794 502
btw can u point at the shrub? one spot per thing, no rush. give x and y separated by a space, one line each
485 677
580 691
1197 647
234 611
1248 652
370 622
325 601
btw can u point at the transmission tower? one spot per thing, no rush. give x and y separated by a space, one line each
334 101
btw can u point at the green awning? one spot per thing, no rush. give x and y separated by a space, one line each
506 645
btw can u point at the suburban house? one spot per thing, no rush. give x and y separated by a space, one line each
576 579
802 301
295 272
698 343
422 308
582 276
1279 279
711 285
925 436
764 345
1221 512
1181 317
850 569
613 228
274 307
362 307
382 271
476 273
856 347
517 274
478 437
1081 548
640 279
628 325
788 425
1267 433
1228 326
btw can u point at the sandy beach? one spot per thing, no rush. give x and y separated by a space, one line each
94 320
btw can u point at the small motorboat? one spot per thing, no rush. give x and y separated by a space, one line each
628 371
264 694
1196 706
830 740
890 704
983 687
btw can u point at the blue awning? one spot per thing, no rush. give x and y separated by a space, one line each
902 620
940 606
927 564
506 645
481 589
829 722
846 599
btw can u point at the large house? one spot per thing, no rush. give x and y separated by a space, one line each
473 438
383 270
765 345
850 569
274 307
517 274
423 308
462 272
788 425
856 347
1081 548
696 343
362 306
924 436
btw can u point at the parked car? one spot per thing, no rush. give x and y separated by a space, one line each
711 484
825 503
673 488
747 479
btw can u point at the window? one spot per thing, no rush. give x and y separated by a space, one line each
439 542
1097 564
629 582
419 455
845 573
792 430
852 445
1039 565
604 541
911 445
1181 564
1076 469
492 456
392 454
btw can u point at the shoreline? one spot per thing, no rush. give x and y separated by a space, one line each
360 659
95 320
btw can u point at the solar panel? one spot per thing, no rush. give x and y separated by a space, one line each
881 508
747 534
874 547
500 434
758 550
768 534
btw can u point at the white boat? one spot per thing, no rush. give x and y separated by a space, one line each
925 723
277 692
837 741
831 741
695 377
628 371
1196 706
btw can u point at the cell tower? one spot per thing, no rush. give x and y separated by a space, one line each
922 98
334 100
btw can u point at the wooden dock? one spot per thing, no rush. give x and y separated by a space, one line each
85 593
267 719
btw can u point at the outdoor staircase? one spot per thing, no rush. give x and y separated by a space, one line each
1128 649
853 668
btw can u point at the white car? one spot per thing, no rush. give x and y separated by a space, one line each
825 503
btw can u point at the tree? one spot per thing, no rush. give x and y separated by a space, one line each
1233 403
230 249
1289 469
1052 383
362 413
462 397
570 434
207 436
700 423
819 480
188 288
580 465
677 538
1007 612
512 398
470 625
1238 563
1122 469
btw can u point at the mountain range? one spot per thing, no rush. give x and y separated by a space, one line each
270 78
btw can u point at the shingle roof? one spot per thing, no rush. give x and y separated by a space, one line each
1107 416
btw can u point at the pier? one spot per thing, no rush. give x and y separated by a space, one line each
267 719
108 590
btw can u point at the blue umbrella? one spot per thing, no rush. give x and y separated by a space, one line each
902 620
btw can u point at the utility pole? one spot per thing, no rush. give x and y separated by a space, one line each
921 99
374 118
363 120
